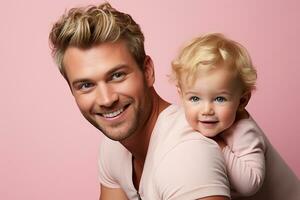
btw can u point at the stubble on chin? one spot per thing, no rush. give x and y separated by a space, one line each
115 132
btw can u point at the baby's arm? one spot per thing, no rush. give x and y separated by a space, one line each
244 157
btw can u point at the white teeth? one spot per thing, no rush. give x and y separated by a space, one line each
113 114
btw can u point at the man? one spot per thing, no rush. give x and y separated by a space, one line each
149 151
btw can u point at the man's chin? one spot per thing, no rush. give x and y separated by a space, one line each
116 137
118 131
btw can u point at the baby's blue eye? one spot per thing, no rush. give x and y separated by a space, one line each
194 99
220 99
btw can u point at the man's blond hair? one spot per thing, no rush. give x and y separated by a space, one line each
84 27
208 51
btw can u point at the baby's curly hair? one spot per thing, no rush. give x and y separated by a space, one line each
206 52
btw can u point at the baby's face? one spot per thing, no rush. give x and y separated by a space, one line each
212 101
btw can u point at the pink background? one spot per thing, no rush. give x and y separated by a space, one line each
47 149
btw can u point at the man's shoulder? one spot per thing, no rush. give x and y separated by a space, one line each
174 142
192 166
192 149
172 129
182 163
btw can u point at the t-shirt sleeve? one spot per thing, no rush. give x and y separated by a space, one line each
104 167
244 157
191 170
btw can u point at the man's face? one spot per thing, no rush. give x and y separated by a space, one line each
110 89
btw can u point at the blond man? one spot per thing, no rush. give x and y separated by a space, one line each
150 152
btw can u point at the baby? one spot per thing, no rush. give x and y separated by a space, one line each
215 77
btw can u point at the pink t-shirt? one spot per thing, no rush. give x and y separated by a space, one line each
254 167
181 164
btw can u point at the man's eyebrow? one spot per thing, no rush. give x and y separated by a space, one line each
83 80
116 68
109 72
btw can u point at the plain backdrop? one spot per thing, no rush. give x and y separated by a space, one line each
47 149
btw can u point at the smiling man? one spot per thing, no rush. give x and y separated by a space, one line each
104 83
150 151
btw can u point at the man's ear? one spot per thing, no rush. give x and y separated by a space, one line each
148 70
244 100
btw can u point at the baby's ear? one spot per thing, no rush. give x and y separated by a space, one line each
244 100
178 89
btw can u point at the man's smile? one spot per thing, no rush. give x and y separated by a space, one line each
114 113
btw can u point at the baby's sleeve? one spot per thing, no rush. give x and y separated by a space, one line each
244 158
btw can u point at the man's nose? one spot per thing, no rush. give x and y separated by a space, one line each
106 95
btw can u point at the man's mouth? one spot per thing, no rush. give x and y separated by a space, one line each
114 113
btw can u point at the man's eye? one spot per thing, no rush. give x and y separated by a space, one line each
85 86
220 99
194 99
118 76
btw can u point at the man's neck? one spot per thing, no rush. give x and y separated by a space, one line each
138 143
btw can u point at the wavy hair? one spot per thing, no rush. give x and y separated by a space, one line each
84 27
205 53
